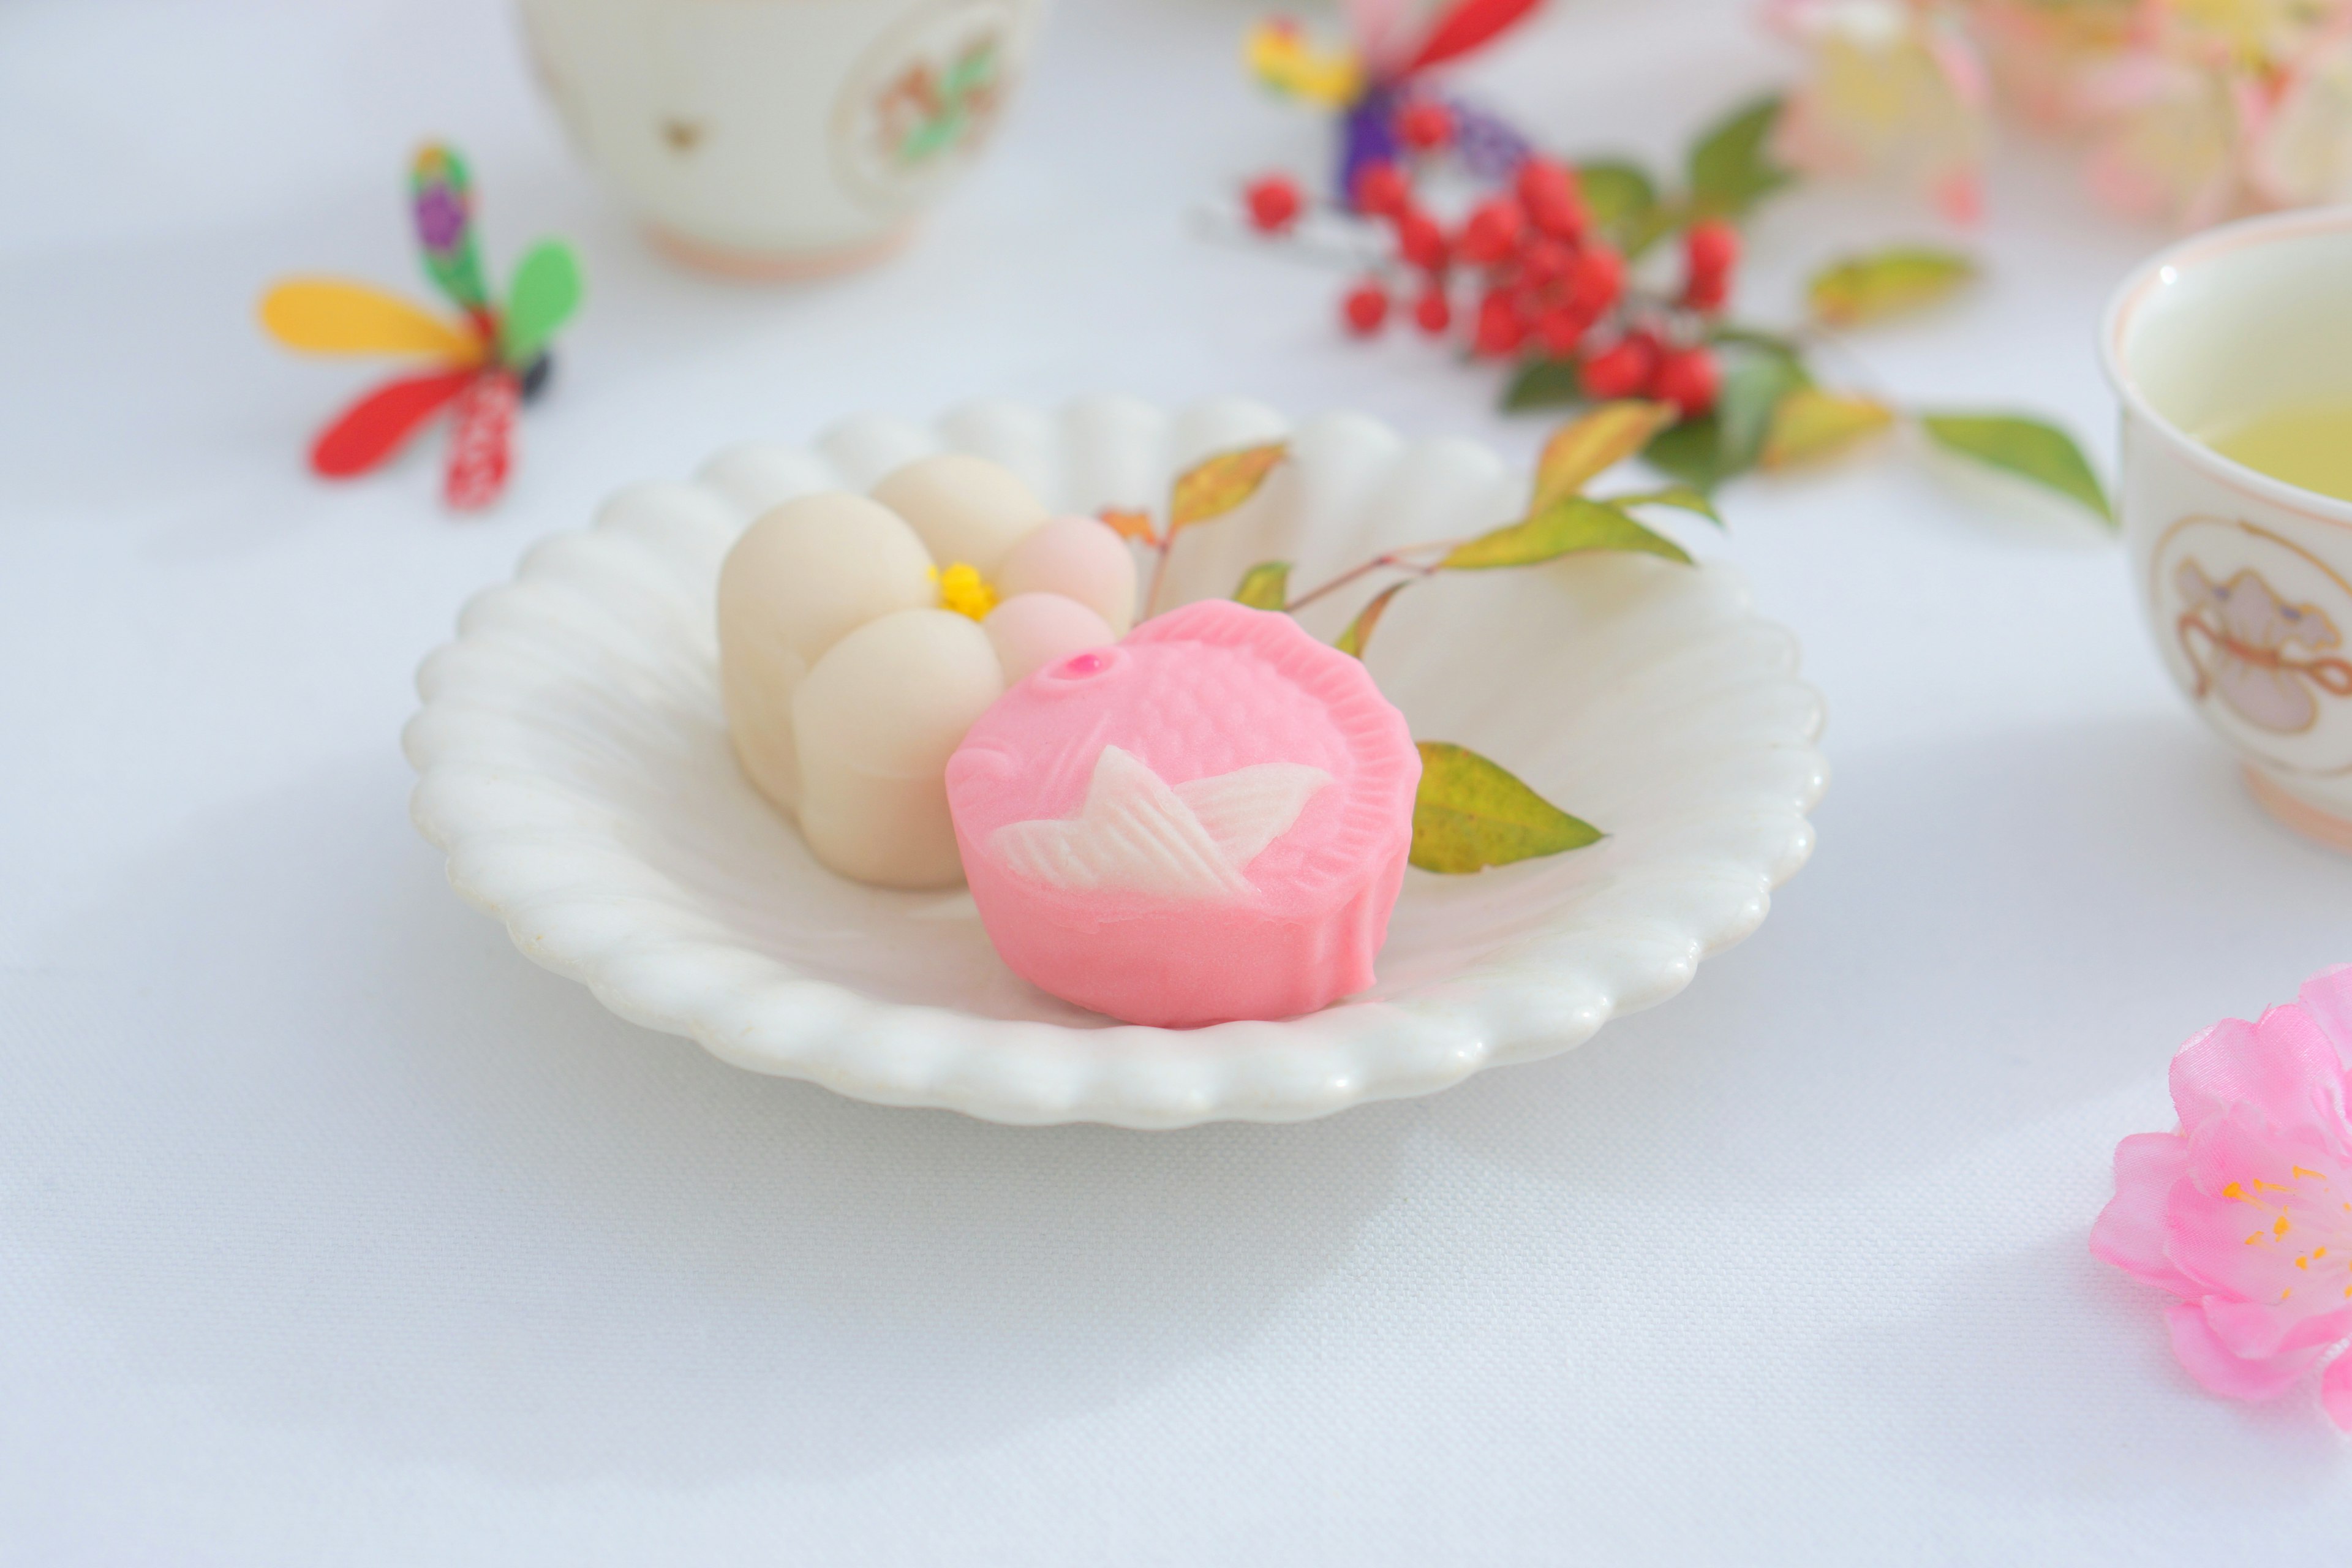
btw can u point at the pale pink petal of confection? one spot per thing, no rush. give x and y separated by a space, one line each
1793 18
1959 197
2120 185
2327 997
2130 1232
2283 1066
2336 1391
2206 1359
1960 65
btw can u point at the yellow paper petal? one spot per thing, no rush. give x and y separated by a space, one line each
330 316
1284 60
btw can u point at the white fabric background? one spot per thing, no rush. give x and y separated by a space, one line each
333 1231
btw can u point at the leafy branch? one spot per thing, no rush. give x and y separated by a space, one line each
1771 411
1469 812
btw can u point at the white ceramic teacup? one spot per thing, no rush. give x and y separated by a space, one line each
2247 579
780 138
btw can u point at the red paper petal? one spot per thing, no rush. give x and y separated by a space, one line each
1469 26
481 446
371 429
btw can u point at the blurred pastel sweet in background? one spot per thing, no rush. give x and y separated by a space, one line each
2188 110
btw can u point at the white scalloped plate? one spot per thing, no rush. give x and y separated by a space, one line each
574 764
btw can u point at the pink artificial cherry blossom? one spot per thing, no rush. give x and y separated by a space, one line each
2245 1211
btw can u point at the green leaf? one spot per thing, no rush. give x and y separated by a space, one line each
1682 498
1544 384
1752 392
1646 228
1885 283
1469 814
1705 451
1755 338
1617 193
1731 167
1690 451
1360 630
1264 587
2027 447
1568 526
546 292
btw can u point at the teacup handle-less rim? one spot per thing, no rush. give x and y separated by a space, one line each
2159 273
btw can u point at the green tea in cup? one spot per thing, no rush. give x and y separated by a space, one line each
2308 444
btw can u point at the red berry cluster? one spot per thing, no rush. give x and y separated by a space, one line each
1536 275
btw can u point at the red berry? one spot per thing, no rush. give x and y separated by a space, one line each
1706 291
1491 233
1425 126
1600 280
1433 312
1540 179
1561 330
1712 248
1501 330
1687 378
1420 240
1547 261
1382 189
1274 202
1624 369
1367 307
1554 200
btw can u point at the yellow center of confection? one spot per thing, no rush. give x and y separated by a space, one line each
964 590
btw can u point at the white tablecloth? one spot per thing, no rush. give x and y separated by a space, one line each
333 1231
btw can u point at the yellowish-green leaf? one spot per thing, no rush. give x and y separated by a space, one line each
1215 486
1682 498
1568 526
1885 283
1615 189
1264 587
1811 424
1470 814
2027 447
1593 442
1360 630
1129 523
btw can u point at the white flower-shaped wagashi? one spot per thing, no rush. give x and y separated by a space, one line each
860 636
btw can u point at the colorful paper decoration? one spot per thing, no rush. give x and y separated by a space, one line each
488 364
1385 74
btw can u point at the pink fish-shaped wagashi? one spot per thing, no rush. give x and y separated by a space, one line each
1207 821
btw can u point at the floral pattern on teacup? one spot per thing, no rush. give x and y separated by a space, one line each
2263 655
924 101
